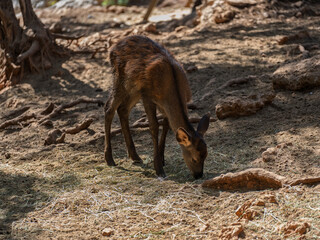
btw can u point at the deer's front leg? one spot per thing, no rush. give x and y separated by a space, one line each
150 109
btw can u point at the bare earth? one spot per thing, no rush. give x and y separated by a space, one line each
66 190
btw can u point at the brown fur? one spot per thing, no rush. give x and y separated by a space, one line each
145 70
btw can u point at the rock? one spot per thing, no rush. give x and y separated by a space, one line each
269 155
242 3
55 136
271 198
253 179
295 228
203 227
107 232
151 28
225 17
243 106
231 232
298 4
250 209
7 155
298 75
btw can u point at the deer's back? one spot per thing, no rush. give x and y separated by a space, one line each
141 65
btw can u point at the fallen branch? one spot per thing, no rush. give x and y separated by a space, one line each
60 108
255 179
79 127
17 120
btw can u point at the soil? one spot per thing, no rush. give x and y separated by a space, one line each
67 191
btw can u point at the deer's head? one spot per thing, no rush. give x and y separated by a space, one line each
194 148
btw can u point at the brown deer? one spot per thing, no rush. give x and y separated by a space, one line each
142 69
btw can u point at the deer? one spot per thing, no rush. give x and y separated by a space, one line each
145 70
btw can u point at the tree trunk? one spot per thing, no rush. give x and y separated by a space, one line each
23 49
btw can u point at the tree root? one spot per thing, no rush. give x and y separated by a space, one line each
255 179
35 46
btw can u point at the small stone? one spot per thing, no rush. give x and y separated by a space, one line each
7 155
259 202
151 28
191 69
203 227
107 232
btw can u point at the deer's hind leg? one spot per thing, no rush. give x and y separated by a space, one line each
123 112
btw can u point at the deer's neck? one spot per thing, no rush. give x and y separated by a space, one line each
178 117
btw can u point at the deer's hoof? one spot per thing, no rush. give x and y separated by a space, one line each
110 162
137 160
161 175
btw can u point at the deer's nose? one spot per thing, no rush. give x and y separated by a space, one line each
198 175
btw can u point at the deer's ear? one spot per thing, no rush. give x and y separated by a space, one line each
203 124
183 137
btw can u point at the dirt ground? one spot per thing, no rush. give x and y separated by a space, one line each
66 190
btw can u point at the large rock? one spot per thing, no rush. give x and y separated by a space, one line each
235 106
298 75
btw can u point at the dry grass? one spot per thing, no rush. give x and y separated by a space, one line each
78 202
